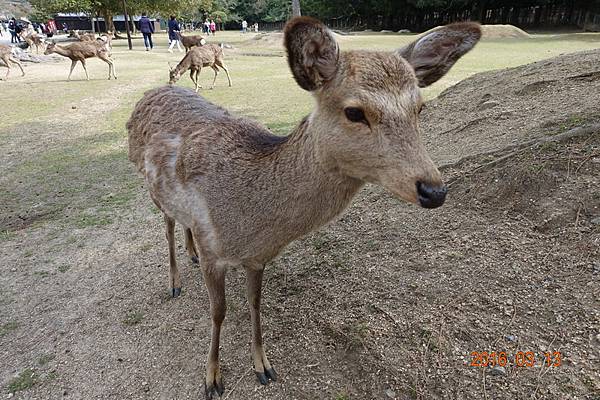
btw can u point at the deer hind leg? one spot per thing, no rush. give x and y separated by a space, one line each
192 71
214 278
190 247
174 278
222 65
198 80
73 63
216 73
14 60
262 367
111 64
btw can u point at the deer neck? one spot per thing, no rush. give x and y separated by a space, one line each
317 191
63 52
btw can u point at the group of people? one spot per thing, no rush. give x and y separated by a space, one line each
147 28
209 27
18 29
245 28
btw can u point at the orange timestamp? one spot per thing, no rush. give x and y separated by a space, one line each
519 359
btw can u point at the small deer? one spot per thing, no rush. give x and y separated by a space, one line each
8 59
242 194
209 55
33 39
191 41
79 51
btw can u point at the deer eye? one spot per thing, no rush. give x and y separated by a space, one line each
355 114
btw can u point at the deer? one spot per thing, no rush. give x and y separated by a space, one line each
85 37
191 41
106 39
209 55
79 51
242 193
7 57
34 39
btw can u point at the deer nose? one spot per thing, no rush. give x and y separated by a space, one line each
431 196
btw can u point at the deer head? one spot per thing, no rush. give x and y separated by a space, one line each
50 48
173 74
367 115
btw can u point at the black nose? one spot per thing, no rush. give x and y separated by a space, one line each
431 196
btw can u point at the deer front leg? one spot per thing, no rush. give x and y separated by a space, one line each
216 70
174 278
73 63
214 279
262 367
87 77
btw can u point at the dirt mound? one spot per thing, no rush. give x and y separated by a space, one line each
492 110
496 31
275 39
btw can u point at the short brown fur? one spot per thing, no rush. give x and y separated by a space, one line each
242 194
80 51
209 55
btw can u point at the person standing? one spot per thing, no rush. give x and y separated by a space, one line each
206 27
173 31
12 28
244 26
147 29
213 27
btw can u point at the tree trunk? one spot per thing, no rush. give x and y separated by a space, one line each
108 21
296 8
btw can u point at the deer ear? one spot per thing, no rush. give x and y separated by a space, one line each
312 52
434 54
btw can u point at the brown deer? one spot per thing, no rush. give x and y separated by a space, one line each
8 59
242 194
33 39
85 37
191 41
79 51
209 55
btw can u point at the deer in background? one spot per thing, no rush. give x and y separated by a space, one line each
242 194
191 41
7 57
209 55
85 37
79 51
33 39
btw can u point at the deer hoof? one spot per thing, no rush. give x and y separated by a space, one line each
175 292
271 374
211 391
195 260
262 377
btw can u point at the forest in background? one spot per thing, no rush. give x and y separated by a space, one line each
414 15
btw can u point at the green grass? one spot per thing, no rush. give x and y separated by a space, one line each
45 359
133 318
8 327
23 381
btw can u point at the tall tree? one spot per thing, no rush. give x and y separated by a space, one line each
296 8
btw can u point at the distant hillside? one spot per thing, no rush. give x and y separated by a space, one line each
17 8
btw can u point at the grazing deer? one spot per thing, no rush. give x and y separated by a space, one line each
209 55
8 59
191 41
79 51
242 194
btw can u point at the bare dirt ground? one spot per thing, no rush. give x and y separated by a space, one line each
389 302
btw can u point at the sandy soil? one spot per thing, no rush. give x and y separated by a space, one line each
389 302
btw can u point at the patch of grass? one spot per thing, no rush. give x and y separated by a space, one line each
64 268
91 221
23 381
342 396
42 274
146 247
6 235
134 318
45 359
5 329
